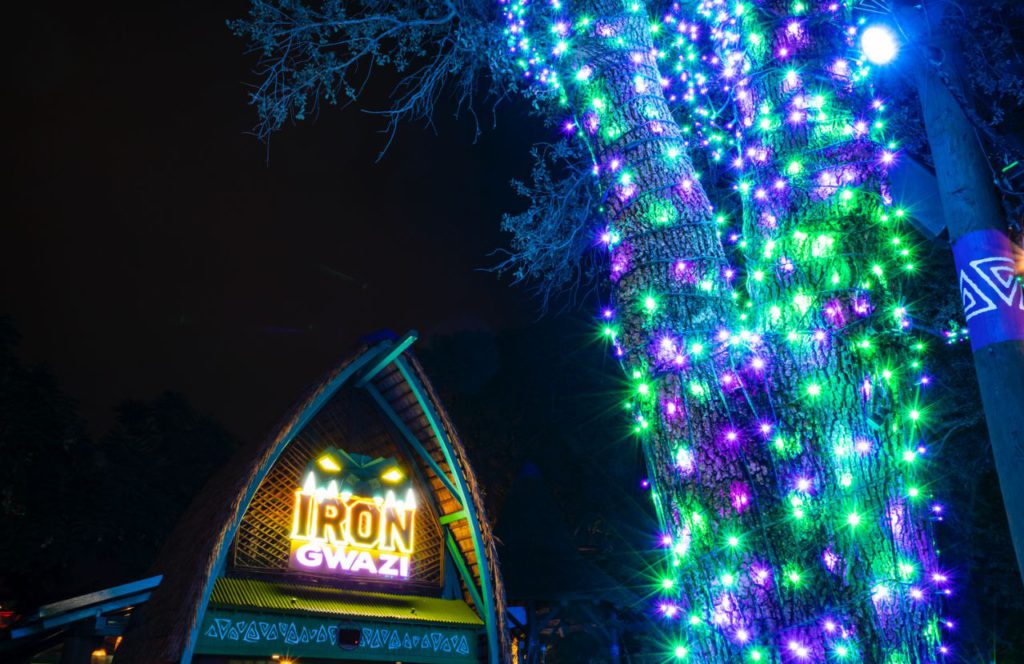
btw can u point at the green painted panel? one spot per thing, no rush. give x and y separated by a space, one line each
263 595
251 633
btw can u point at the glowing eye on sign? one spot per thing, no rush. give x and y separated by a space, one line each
393 475
327 463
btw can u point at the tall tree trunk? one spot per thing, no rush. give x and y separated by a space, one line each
824 289
782 465
985 262
671 296
823 278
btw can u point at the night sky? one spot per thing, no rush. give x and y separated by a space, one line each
150 245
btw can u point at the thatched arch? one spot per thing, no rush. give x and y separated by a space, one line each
386 376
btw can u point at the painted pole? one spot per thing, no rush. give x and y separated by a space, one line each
988 263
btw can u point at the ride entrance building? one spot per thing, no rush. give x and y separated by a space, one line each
356 532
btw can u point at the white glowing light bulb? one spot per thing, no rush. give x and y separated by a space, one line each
879 45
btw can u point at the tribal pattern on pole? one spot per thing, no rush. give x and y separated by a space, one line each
990 269
777 376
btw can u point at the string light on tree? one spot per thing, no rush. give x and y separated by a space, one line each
778 383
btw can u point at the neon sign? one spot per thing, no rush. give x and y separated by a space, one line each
347 518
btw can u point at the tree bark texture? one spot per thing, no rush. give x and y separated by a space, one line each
825 286
754 477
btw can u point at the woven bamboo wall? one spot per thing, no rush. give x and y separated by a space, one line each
262 542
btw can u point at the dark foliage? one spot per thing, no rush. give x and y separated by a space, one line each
158 456
975 49
535 398
43 478
77 514
989 35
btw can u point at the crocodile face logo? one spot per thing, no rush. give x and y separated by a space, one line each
353 515
336 472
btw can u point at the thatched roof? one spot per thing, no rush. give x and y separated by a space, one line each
345 408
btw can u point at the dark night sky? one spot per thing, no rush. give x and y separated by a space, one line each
151 247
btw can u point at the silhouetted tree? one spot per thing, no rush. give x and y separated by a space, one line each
155 459
44 474
75 514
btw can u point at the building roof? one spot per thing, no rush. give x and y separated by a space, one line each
296 598
110 603
197 550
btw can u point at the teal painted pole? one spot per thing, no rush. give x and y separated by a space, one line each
285 438
474 521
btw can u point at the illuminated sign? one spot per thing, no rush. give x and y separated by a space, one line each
348 518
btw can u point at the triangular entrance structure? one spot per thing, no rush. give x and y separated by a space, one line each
377 402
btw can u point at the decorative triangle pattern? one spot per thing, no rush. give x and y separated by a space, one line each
998 273
313 636
975 301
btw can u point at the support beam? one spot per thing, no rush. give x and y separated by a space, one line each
467 576
454 516
284 439
414 442
387 358
422 480
87 613
99 596
486 588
